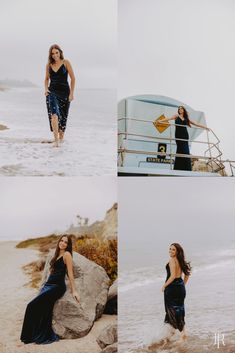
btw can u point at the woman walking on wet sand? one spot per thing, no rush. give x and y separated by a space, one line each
58 92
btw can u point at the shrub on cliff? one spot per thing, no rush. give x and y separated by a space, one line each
101 251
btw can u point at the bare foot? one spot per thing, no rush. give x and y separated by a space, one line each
20 344
56 144
183 338
164 342
160 344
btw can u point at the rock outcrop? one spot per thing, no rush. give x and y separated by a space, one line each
3 127
108 336
72 319
113 348
106 229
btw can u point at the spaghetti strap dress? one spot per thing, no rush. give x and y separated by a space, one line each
37 325
182 147
57 100
174 295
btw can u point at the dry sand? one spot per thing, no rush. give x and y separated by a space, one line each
14 296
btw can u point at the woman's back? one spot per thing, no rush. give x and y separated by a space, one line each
178 270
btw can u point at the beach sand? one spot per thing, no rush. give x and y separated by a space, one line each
14 298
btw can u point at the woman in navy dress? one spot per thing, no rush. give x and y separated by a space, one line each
174 288
37 325
58 92
182 121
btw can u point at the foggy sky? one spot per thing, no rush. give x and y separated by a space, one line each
86 31
185 50
155 212
34 206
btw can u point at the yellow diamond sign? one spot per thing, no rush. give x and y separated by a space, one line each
161 126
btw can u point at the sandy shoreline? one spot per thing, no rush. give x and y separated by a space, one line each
14 297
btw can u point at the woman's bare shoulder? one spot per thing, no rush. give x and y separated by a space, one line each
172 262
66 61
67 255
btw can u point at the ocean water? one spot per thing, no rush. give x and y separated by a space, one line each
90 139
198 213
209 303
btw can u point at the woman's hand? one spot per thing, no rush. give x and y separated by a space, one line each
163 288
46 92
75 295
70 97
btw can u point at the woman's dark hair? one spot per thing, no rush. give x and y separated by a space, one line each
185 115
50 58
185 266
57 250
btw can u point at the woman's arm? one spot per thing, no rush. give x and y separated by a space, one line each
46 81
69 263
198 125
172 276
72 77
167 119
186 279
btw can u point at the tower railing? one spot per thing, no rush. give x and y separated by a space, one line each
211 151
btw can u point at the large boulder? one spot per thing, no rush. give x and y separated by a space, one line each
113 348
111 305
107 336
72 319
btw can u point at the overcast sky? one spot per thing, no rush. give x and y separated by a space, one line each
155 212
185 50
34 206
86 31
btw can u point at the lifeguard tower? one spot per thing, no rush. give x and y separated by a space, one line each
146 149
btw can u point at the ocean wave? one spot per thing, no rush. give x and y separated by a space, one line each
143 283
193 344
141 277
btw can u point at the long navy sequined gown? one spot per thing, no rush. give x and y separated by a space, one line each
57 100
174 295
37 325
182 147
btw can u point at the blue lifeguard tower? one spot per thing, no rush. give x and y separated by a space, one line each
143 149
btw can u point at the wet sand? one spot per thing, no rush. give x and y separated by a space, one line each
195 344
91 122
14 296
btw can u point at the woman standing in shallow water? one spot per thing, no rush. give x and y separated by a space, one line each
58 93
37 325
174 289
